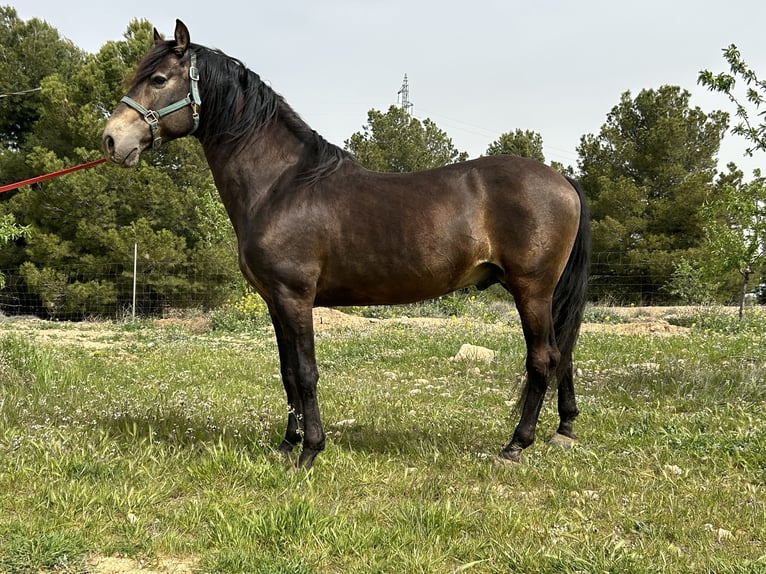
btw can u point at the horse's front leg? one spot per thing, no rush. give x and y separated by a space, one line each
293 324
294 431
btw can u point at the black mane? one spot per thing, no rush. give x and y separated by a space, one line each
237 104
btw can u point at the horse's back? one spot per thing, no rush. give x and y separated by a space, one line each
392 238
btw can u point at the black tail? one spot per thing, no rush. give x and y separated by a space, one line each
570 295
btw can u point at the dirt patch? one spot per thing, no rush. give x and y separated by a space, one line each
110 565
197 325
646 322
658 327
651 328
93 336
96 336
326 319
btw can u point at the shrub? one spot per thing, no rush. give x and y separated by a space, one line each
247 312
690 284
603 315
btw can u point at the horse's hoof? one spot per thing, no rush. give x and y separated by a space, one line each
512 456
306 460
286 447
562 441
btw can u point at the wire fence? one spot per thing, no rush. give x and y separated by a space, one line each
150 288
114 290
618 280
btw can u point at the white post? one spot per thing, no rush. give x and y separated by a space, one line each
135 261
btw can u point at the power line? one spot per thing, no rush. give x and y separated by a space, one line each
21 93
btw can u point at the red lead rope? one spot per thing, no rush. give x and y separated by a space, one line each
40 178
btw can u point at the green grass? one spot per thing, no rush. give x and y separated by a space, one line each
160 442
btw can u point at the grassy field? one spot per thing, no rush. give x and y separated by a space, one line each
150 448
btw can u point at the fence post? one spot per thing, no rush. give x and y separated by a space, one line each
135 265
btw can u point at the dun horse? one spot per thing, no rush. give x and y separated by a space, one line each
315 228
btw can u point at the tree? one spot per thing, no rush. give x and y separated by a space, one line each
735 222
754 95
29 52
77 256
397 142
646 175
521 143
8 232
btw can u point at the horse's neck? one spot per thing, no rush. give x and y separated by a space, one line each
246 178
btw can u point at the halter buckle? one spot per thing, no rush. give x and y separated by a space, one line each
151 117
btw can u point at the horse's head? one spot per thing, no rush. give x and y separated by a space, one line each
162 104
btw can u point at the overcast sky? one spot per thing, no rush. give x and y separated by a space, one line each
477 68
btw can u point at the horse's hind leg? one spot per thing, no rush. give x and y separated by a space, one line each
567 404
542 358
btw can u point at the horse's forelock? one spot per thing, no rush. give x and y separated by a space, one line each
151 61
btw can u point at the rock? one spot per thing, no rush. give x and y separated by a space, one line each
474 353
673 469
724 534
345 423
562 441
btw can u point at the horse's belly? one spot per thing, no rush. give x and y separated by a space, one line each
391 283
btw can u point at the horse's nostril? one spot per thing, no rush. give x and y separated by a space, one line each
109 144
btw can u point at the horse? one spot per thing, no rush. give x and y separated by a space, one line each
315 228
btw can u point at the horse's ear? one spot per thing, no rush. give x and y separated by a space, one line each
157 38
182 37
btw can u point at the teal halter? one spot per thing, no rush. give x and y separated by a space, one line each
192 99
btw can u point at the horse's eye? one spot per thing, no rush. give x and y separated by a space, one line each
158 81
